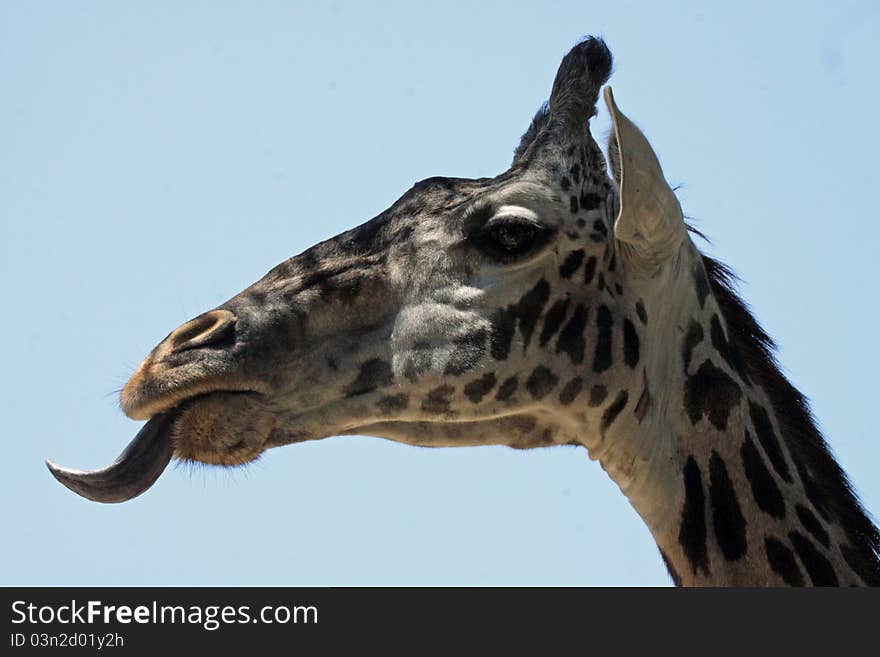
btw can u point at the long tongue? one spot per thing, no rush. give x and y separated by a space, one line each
136 469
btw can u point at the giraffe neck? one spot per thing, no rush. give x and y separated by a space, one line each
721 459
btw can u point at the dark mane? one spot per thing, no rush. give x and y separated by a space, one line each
827 486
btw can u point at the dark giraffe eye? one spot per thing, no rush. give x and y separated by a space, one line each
510 238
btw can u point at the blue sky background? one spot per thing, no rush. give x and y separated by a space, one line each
158 157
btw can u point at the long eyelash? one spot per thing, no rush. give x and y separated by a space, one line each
481 210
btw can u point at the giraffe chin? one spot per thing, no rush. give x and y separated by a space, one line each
227 428
222 428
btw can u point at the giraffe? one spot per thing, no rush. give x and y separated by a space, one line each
556 304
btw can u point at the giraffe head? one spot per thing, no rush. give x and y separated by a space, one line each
510 310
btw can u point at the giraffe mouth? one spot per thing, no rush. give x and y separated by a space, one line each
153 389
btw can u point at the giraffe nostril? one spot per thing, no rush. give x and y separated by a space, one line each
206 329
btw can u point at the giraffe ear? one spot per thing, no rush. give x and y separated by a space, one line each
650 220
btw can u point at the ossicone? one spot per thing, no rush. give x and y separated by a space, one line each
581 75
